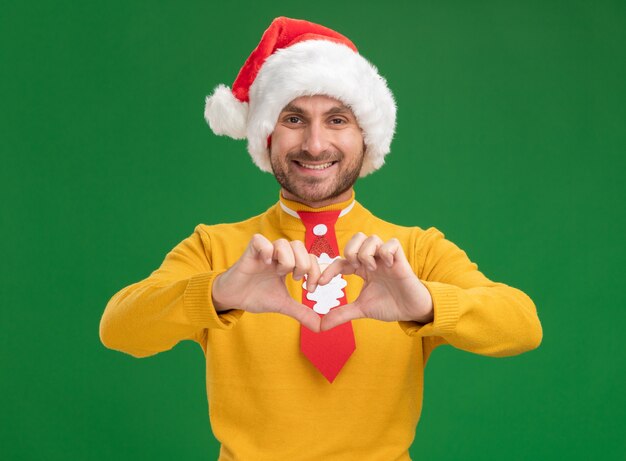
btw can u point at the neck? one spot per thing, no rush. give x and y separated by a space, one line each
318 204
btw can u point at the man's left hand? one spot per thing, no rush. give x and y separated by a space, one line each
391 290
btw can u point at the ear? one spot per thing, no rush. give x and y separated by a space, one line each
269 142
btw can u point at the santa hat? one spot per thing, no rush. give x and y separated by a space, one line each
299 58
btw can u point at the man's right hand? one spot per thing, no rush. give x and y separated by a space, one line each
256 282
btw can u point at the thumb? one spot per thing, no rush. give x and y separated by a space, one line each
303 314
340 315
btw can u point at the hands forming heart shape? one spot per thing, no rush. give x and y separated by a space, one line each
391 290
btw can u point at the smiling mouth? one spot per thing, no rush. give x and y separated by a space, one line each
312 166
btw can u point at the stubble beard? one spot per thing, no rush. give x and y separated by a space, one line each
312 189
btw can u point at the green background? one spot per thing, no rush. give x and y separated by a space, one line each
510 140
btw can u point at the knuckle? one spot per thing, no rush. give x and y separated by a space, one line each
296 244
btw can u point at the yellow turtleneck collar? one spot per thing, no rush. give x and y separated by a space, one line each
292 207
352 216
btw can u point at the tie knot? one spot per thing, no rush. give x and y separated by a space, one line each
319 221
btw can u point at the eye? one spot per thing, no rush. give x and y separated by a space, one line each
337 121
292 119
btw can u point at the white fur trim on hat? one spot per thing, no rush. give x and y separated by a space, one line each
225 114
321 67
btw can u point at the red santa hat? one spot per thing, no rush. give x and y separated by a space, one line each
299 58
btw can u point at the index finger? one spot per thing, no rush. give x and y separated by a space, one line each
313 275
338 266
261 247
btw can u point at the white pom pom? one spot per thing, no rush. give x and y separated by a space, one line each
225 114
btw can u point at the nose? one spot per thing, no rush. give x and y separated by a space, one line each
316 139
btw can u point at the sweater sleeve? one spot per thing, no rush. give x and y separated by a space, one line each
471 312
172 304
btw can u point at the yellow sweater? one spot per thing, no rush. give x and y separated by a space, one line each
266 400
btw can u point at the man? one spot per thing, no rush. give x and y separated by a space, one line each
316 318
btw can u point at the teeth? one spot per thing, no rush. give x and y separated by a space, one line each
316 167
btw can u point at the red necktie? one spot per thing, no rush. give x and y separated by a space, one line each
327 350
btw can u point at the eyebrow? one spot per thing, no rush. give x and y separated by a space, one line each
334 110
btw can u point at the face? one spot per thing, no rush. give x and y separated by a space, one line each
317 150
